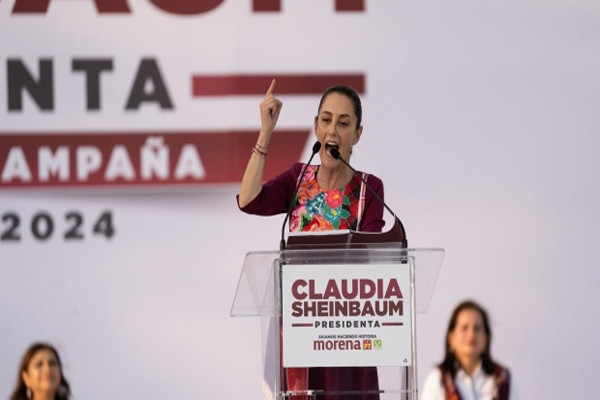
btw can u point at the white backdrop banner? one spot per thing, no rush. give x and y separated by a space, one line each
126 126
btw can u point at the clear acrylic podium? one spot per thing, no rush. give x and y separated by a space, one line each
259 294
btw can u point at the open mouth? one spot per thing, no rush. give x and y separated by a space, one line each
331 145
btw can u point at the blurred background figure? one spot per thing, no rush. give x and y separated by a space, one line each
468 371
40 375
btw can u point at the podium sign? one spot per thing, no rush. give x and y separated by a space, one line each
346 315
330 311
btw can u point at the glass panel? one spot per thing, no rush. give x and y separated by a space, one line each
255 294
258 295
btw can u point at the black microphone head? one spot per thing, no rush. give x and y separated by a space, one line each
335 153
316 147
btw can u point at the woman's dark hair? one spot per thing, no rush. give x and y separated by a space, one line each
450 363
349 93
20 392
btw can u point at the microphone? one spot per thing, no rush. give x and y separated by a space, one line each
315 149
336 154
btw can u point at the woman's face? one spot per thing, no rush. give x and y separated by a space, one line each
335 126
468 339
43 372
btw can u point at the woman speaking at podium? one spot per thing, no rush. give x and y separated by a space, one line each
329 197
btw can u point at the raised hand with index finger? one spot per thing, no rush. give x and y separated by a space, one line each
270 108
252 181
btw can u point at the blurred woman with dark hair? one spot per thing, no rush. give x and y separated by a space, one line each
41 376
468 371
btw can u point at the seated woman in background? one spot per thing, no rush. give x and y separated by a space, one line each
40 375
468 371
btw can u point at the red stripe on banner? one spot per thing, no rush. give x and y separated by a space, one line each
302 325
349 5
392 323
266 5
30 6
145 159
112 6
233 85
187 7
41 6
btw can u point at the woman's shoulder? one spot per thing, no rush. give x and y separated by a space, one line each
434 375
432 386
500 366
372 179
501 373
296 168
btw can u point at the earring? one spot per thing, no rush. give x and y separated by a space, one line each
28 393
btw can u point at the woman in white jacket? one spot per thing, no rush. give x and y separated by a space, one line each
468 371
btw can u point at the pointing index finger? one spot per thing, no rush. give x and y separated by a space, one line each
270 91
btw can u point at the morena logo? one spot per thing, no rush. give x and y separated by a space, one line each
348 344
180 7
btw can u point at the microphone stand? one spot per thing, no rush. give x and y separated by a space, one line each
315 149
336 154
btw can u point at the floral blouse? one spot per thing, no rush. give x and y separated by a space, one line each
365 211
316 209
